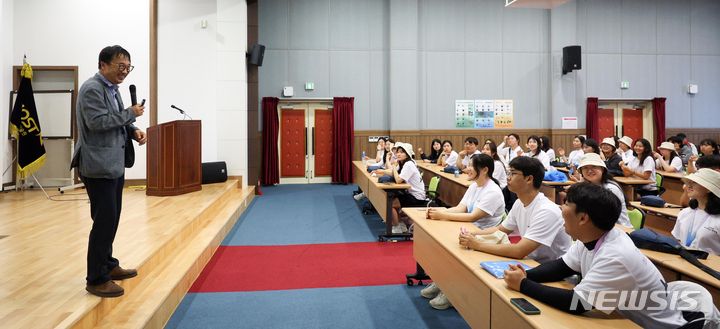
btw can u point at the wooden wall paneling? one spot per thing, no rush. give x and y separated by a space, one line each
695 135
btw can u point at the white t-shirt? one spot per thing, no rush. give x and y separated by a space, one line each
675 163
506 153
550 154
488 198
500 174
542 156
623 220
466 160
575 156
616 265
451 160
647 165
705 227
627 156
542 222
411 175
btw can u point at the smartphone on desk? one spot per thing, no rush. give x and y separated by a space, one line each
525 306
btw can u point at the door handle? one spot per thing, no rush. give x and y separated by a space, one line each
616 130
305 141
313 141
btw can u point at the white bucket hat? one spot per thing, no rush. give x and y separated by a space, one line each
591 159
609 141
707 178
668 146
407 147
626 140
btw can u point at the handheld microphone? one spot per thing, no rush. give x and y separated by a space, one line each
177 108
133 95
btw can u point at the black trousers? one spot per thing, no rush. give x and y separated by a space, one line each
105 205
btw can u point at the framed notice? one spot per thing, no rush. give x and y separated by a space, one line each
464 113
503 113
484 113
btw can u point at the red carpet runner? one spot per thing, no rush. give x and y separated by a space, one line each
255 268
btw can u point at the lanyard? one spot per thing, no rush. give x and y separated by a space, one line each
691 234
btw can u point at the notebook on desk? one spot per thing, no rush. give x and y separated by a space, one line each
497 268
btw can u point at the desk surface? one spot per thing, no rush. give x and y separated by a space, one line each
677 175
437 170
374 180
632 180
670 212
565 183
446 234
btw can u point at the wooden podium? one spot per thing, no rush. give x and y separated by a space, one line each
174 158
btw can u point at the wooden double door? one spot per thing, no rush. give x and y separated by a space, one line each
621 120
305 144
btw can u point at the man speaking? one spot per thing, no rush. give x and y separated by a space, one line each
104 126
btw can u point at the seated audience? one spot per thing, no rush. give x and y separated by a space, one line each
470 149
625 148
435 150
510 149
698 226
642 166
668 159
707 147
406 171
545 142
612 158
535 151
500 171
594 170
448 157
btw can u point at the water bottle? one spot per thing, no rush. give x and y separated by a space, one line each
362 157
457 172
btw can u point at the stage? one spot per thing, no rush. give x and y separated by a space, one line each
43 247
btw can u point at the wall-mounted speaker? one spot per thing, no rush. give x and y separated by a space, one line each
571 59
256 54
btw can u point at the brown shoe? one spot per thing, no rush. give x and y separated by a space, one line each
119 273
107 289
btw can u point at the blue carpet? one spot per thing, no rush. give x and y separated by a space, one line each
396 306
303 214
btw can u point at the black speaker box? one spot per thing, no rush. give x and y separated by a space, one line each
214 172
256 54
571 59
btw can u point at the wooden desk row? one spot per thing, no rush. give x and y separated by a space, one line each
451 189
380 195
673 184
482 299
661 220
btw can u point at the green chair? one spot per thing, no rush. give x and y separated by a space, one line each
659 181
432 190
637 218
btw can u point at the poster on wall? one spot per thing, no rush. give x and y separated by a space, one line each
484 113
503 113
464 113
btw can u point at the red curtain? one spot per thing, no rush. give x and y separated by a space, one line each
592 126
270 172
343 129
658 104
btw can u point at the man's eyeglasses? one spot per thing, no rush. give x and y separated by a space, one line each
123 67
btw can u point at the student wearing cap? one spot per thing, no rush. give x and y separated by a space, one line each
471 148
535 217
699 225
594 170
608 261
625 148
482 204
668 159
642 166
711 161
406 171
612 158
448 157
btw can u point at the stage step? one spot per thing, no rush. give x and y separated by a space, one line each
165 276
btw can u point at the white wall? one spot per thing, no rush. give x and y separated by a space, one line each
199 70
202 71
6 21
73 32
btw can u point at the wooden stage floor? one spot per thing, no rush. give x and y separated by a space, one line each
43 247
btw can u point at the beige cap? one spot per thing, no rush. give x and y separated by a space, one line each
591 159
707 178
668 146
626 140
407 147
609 141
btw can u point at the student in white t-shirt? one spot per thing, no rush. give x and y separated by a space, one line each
482 204
448 157
594 170
642 166
668 159
533 216
625 148
535 151
612 268
379 158
698 226
406 171
547 148
471 148
574 158
500 172
510 149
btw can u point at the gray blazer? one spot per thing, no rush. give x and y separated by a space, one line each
102 132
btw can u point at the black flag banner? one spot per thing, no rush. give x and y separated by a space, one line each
25 126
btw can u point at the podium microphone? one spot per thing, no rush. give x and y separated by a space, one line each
181 111
133 95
